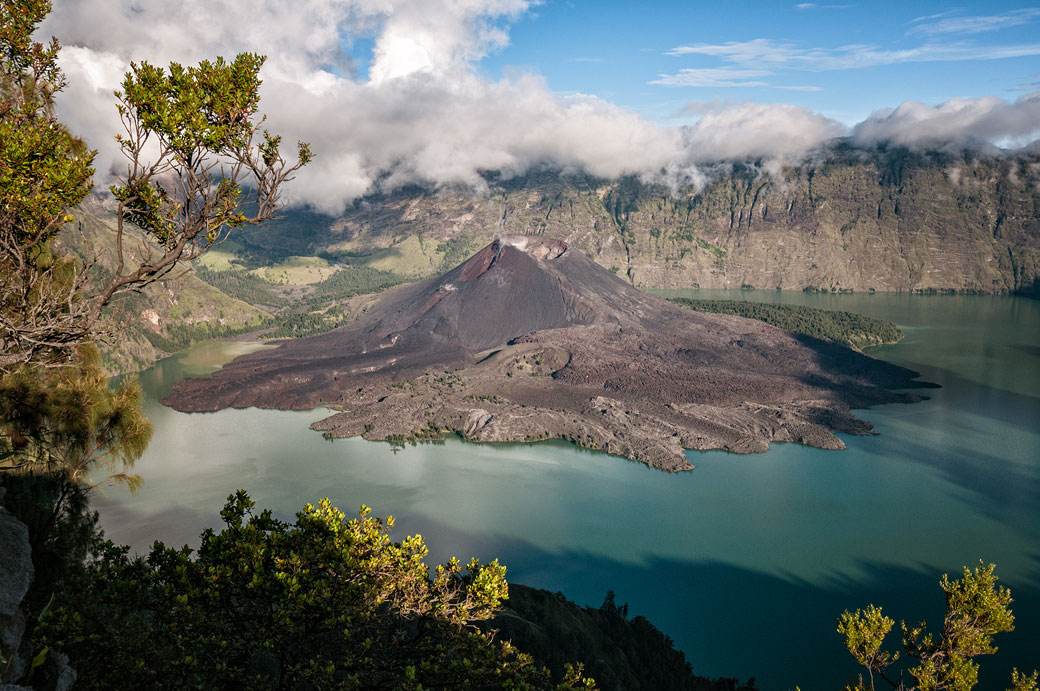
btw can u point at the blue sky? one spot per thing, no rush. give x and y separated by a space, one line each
616 50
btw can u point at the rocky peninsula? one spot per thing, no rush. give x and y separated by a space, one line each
529 339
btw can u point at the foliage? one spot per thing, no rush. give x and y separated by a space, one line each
192 195
44 170
62 530
355 280
457 250
852 329
67 421
323 603
202 121
313 314
977 610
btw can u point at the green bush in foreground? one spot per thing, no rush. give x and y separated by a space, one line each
976 611
321 603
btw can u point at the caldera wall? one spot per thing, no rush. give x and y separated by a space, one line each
850 220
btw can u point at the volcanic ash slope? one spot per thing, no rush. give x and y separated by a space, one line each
530 340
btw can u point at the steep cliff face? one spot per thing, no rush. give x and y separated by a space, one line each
850 220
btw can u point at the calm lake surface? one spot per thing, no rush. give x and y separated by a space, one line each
744 562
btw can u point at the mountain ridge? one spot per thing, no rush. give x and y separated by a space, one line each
844 220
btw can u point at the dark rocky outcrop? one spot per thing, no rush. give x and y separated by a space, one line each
16 648
16 572
534 340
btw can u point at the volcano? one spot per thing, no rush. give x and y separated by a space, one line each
529 339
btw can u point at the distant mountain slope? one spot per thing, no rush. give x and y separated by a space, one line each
847 220
147 326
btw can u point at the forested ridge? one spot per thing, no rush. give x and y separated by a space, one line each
855 330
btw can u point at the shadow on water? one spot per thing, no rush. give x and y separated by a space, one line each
737 622
1029 349
729 621
982 439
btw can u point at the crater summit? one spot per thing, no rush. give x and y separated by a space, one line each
529 339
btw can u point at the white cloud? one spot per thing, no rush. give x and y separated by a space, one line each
814 6
727 132
425 113
713 77
763 53
954 124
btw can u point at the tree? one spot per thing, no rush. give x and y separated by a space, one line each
323 603
59 419
192 194
67 421
977 610
44 171
200 122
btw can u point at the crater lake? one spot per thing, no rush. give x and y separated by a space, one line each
745 562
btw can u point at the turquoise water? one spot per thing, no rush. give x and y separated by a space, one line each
746 561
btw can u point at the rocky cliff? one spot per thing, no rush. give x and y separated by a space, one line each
886 220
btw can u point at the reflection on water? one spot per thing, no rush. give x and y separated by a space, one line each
746 561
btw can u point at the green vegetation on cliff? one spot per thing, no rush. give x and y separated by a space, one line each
316 309
242 285
163 317
856 330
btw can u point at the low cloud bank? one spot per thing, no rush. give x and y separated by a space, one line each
955 124
424 112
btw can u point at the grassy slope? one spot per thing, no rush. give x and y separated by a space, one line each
236 288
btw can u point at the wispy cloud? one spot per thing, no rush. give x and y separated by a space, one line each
937 15
1029 86
936 25
713 77
720 77
813 6
765 57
